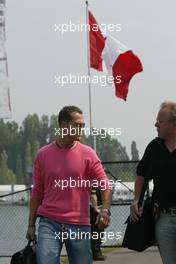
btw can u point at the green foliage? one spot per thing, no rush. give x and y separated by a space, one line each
52 127
134 151
6 175
28 157
110 149
19 169
35 147
10 177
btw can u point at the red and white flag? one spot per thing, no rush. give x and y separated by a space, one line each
121 63
97 43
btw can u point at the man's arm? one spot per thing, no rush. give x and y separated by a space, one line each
34 204
106 198
104 216
135 211
97 173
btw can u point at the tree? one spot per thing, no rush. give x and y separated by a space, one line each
9 141
53 127
44 130
28 157
134 151
10 177
31 129
28 165
19 169
3 166
35 147
6 175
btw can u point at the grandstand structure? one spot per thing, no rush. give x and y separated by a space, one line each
5 108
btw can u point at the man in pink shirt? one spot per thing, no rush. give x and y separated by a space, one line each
64 172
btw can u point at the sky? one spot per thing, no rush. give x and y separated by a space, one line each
37 53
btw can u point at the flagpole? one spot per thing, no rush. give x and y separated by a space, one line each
88 72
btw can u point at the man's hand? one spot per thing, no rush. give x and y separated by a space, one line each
30 235
102 220
135 211
34 204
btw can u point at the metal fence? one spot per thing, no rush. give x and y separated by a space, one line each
14 209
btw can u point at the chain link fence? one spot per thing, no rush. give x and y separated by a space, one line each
13 221
122 174
14 209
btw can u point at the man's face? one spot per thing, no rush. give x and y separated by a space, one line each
75 126
164 124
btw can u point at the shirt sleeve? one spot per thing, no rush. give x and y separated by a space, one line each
38 177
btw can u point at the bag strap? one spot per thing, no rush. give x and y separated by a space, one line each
31 241
144 187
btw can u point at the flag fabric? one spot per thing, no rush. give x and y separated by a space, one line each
97 43
122 64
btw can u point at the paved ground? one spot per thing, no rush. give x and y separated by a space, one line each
125 256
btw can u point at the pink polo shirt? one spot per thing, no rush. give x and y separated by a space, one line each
63 179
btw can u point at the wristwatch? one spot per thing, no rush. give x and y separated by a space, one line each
106 210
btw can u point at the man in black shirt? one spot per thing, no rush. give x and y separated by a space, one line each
160 157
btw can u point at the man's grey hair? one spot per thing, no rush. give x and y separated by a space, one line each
171 107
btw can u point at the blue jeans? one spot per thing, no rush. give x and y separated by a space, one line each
166 237
52 235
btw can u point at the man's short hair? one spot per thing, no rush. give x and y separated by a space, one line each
66 111
171 107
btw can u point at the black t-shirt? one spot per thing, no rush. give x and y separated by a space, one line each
162 165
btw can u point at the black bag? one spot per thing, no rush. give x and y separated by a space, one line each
140 235
25 256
